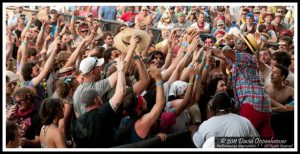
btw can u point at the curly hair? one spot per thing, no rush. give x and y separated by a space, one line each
50 109
27 93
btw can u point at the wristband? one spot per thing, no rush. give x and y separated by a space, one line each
198 76
206 66
159 83
190 65
25 43
185 44
190 84
187 55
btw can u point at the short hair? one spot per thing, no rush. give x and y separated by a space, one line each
106 34
50 108
282 57
11 128
283 70
287 39
261 27
99 52
107 53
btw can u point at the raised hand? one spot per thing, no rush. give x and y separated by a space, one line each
155 74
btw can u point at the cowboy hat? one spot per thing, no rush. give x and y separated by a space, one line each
159 46
122 39
250 40
42 15
268 13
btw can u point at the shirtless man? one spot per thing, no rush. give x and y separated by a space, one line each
280 94
144 17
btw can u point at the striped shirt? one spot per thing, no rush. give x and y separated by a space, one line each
247 85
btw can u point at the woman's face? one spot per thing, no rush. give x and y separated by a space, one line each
22 104
35 70
221 87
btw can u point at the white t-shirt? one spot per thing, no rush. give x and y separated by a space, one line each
228 125
206 26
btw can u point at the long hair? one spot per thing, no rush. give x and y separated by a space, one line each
50 109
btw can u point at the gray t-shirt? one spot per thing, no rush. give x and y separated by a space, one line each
228 125
101 86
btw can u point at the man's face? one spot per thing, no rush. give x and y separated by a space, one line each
265 56
268 18
201 18
181 19
283 45
109 40
276 75
19 9
239 45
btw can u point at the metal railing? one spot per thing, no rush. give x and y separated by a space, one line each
176 140
107 25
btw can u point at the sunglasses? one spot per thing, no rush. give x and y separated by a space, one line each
282 44
19 102
279 11
84 31
53 12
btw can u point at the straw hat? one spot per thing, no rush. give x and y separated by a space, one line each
269 12
42 15
159 46
250 40
122 39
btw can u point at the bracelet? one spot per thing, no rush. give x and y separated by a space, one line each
198 76
187 55
185 44
206 66
190 65
190 83
230 78
159 83
25 43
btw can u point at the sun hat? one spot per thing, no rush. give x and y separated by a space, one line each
122 39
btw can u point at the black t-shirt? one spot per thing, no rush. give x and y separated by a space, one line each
35 128
94 128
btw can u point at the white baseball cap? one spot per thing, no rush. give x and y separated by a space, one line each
89 63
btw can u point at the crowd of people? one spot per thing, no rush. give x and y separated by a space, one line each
219 71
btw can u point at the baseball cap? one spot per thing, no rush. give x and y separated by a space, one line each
89 14
53 9
180 14
88 96
250 15
83 26
89 63
220 22
13 77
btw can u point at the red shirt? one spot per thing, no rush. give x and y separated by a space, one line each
128 16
